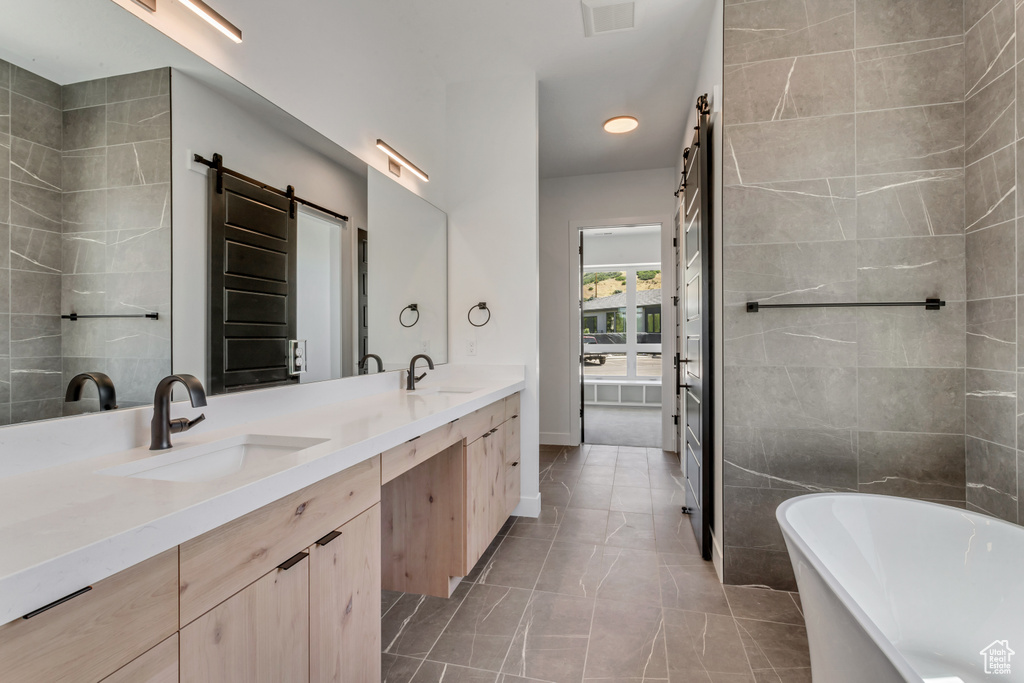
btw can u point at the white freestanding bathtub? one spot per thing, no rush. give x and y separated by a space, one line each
900 590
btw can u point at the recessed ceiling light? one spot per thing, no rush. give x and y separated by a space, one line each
621 124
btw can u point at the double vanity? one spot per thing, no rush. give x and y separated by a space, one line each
256 551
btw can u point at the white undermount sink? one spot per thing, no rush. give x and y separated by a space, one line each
446 390
211 461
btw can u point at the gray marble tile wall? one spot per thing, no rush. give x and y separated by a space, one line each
993 339
30 219
844 180
84 227
116 232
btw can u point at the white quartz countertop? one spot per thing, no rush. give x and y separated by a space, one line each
65 527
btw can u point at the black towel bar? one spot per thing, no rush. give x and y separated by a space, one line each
929 305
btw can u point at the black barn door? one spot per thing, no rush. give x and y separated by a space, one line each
253 259
696 438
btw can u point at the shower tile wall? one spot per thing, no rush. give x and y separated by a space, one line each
84 227
30 210
992 263
844 180
117 231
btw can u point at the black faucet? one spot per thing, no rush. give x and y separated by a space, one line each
380 363
104 385
163 426
410 383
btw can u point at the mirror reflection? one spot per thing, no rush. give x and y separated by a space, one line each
87 213
408 273
93 232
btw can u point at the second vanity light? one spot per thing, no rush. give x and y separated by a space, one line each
402 161
208 14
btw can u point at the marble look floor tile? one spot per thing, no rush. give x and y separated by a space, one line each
484 561
673 534
603 475
782 676
517 562
567 474
395 669
604 572
591 496
632 475
763 605
603 456
626 641
782 646
703 643
436 672
545 532
693 587
631 499
552 638
583 526
672 481
479 634
555 493
630 530
388 600
668 502
414 623
550 515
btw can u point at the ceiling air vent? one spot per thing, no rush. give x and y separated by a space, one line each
606 16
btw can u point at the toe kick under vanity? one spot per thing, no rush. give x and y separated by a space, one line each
289 590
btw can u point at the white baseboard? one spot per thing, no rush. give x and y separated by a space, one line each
554 439
528 507
717 559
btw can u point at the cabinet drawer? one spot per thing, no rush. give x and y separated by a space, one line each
511 406
478 423
98 632
159 665
222 562
512 489
512 443
400 459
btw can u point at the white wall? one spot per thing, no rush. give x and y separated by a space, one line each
372 89
407 251
204 122
492 206
624 247
566 203
710 77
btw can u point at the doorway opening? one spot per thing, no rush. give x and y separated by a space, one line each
620 336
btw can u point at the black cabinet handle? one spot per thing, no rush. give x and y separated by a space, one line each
514 416
53 604
328 538
293 560
515 463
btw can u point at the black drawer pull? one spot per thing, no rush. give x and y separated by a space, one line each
413 439
53 604
328 538
515 463
293 560
514 416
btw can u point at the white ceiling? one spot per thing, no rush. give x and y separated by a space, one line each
649 72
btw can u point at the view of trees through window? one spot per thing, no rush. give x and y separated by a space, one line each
619 342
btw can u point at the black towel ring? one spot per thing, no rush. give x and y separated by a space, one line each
411 307
483 307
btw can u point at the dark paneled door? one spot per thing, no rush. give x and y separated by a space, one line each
695 438
253 261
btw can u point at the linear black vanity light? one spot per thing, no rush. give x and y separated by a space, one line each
390 151
209 15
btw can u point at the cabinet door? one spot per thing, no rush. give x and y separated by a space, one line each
258 635
344 602
159 665
485 486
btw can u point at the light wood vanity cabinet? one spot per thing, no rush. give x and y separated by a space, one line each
258 635
485 493
159 665
94 634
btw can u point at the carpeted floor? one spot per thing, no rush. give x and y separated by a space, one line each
622 426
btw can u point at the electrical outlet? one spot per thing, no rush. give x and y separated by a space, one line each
424 346
471 347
